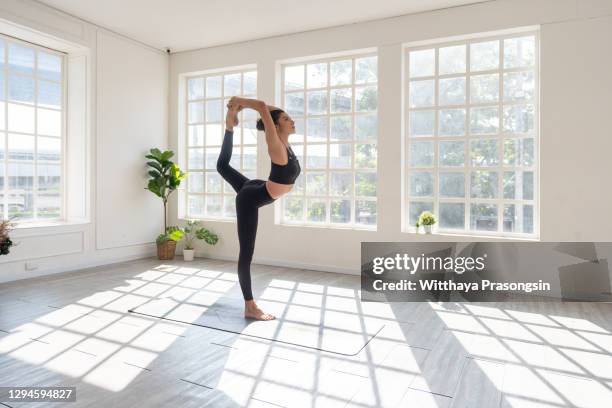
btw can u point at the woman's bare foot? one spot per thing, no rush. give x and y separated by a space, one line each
251 310
231 119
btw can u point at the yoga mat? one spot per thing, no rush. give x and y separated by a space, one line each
333 331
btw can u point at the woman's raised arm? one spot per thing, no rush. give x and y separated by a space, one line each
272 138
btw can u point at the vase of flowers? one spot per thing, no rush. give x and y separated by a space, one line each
5 241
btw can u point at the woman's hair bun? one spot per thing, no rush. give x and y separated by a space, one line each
260 125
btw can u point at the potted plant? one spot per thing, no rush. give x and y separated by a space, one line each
165 178
192 232
427 220
5 242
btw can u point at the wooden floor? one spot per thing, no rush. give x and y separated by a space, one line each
74 330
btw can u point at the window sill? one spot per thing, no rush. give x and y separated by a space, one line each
46 224
474 236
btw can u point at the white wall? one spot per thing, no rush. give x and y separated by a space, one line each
126 101
575 137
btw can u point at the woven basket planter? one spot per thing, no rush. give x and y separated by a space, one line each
165 250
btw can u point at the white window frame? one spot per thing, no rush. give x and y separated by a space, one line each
35 220
353 198
500 136
227 192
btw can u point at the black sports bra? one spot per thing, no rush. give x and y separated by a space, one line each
286 174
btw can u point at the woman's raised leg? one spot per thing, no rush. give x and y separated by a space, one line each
230 174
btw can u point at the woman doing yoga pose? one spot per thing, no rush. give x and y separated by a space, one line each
255 193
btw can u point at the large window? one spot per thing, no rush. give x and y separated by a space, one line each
209 196
334 104
31 129
472 135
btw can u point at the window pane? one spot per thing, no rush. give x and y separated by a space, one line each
294 77
366 127
249 158
316 75
20 147
316 130
452 215
341 72
196 159
415 210
213 111
341 100
484 152
340 211
213 87
21 204
422 63
294 103
21 176
195 206
452 122
519 52
48 205
366 99
366 70
195 88
214 205
21 89
49 94
196 112
484 120
484 184
316 210
20 58
518 152
196 135
340 155
49 148
452 91
518 118
484 56
421 93
214 135
452 185
195 182
231 85
452 153
528 219
519 86
49 178
421 184
250 83
484 88
421 154
452 59
341 128
212 154
229 206
294 208
49 122
483 217
365 184
316 183
316 156
365 212
510 218
365 155
317 102
422 123
49 66
341 183
298 136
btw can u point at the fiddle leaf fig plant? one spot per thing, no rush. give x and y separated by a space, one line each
165 177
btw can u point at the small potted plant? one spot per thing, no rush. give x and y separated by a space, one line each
165 178
192 233
427 220
5 242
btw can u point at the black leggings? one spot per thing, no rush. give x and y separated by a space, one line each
251 194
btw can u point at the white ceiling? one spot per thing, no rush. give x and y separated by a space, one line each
190 24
